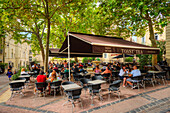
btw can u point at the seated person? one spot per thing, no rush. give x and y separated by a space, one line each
66 70
40 78
81 69
34 67
52 72
107 71
9 74
97 70
53 78
121 73
134 73
23 71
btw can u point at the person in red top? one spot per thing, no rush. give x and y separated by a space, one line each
40 78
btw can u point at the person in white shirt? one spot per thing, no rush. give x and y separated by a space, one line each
121 73
134 73
23 71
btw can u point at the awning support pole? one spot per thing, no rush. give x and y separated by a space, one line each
123 58
69 55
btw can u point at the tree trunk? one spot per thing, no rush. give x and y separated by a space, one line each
3 51
41 47
47 38
153 41
76 59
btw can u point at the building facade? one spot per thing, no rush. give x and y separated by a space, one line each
168 43
17 55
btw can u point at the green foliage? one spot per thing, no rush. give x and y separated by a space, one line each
98 59
162 45
72 61
86 59
15 76
3 65
129 59
144 60
127 17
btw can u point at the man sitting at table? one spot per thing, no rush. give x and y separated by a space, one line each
107 71
134 73
40 78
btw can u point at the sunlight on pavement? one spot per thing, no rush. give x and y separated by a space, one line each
5 96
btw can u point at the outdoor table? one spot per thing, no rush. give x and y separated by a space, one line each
16 81
49 80
97 82
24 76
70 87
154 72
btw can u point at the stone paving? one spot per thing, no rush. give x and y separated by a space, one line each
131 101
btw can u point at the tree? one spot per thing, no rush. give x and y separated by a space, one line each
39 18
135 17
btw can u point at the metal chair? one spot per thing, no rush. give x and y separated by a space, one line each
74 95
96 74
162 76
148 78
114 87
106 77
87 76
56 86
97 78
137 82
95 89
84 84
40 86
16 88
66 83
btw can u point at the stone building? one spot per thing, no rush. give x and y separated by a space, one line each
168 43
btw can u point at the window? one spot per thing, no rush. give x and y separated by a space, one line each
12 54
30 58
30 52
156 36
143 40
105 55
134 38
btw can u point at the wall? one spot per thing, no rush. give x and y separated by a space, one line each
168 43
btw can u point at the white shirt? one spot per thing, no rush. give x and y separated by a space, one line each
121 73
23 72
51 74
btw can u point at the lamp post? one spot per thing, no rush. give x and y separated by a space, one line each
69 55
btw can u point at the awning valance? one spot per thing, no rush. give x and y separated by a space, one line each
89 44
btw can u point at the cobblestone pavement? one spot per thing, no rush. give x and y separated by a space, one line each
152 99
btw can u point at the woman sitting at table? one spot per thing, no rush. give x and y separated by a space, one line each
107 71
23 71
97 70
121 73
53 79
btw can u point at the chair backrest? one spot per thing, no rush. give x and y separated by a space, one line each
95 86
40 84
22 78
97 78
97 74
56 83
76 92
87 76
107 75
115 84
68 82
16 84
84 80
